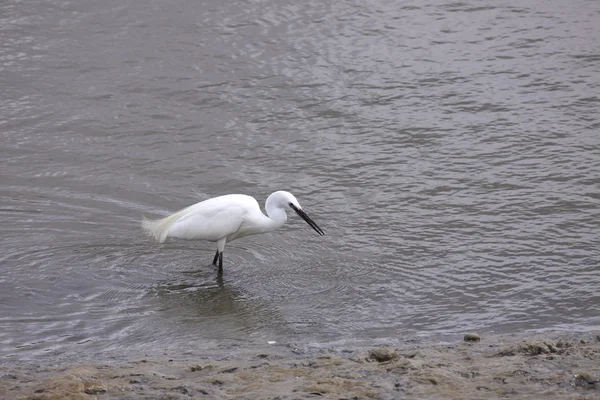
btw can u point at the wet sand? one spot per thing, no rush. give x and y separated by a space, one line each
542 366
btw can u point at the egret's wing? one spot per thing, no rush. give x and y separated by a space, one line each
208 221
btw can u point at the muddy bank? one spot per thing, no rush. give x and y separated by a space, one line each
565 366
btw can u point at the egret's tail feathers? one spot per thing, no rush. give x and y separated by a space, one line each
159 228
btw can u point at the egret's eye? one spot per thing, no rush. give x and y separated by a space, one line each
291 204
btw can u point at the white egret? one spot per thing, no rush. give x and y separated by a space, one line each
226 218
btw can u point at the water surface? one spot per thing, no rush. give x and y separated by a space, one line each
450 151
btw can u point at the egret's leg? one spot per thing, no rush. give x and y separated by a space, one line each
220 280
216 258
220 247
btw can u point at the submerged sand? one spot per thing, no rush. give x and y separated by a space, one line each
548 366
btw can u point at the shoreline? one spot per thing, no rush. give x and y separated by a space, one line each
547 365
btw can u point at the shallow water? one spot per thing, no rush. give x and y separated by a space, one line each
450 151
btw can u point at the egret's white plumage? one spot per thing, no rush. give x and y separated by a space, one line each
226 218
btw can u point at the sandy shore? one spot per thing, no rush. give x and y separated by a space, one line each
550 366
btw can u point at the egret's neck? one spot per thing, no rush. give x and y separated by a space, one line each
277 217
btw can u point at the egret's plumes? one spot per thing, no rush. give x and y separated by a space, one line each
159 229
226 218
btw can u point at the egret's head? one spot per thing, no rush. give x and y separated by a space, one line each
290 200
285 199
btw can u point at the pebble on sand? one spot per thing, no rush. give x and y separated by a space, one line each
472 337
383 355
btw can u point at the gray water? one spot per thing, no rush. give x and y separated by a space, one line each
449 150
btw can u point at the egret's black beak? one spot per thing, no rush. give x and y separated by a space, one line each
308 220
